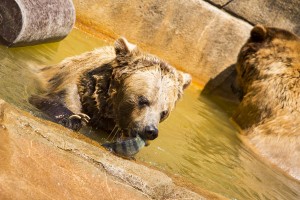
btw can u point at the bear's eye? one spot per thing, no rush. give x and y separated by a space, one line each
143 101
163 115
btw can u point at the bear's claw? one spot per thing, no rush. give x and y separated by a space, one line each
75 122
81 116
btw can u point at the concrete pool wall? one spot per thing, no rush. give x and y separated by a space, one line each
196 36
192 35
199 37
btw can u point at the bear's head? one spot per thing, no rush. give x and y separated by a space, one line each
144 90
267 52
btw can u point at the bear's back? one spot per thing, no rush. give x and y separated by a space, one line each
269 74
68 72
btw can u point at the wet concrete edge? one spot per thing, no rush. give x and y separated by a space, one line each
151 182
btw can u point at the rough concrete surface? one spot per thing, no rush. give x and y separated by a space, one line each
42 160
192 35
277 13
24 22
32 166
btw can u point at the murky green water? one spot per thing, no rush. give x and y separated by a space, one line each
197 141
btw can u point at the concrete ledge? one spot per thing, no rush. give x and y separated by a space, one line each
42 160
281 14
192 35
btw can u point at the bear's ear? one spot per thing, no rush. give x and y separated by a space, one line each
184 79
123 47
258 33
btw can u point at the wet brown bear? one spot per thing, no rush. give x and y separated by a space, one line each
112 87
268 74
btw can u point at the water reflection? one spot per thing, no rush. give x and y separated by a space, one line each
200 143
197 141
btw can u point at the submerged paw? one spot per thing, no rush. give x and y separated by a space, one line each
126 148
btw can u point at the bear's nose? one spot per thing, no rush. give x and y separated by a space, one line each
151 132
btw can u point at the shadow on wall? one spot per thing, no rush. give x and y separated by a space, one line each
297 30
219 90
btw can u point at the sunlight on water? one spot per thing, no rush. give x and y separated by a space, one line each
197 141
16 64
200 143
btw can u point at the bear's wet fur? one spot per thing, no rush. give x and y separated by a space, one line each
268 80
116 87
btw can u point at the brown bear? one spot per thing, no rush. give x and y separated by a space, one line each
118 88
268 79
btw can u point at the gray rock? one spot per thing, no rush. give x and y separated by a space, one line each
24 22
281 14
